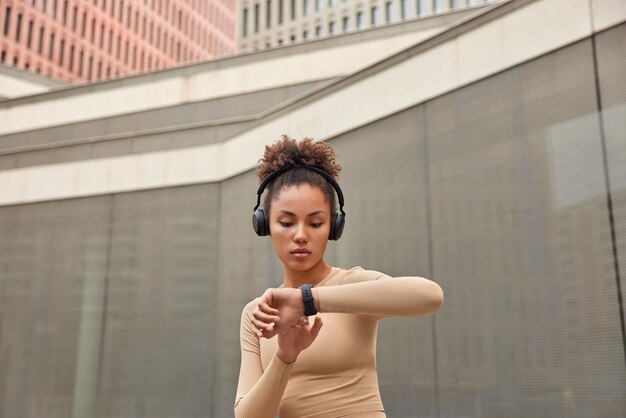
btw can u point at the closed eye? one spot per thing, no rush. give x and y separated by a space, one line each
286 224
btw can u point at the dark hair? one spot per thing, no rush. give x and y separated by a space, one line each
288 152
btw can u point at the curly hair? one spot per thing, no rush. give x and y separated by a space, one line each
289 152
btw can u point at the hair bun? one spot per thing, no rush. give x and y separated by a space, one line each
289 152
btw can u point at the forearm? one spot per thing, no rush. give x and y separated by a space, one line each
264 398
400 296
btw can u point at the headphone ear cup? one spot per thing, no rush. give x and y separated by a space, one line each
259 223
336 226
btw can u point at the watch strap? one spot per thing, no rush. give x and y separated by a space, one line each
307 299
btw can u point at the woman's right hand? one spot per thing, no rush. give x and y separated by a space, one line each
296 339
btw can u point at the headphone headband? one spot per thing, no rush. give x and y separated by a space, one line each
277 173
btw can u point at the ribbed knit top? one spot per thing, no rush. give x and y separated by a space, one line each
335 376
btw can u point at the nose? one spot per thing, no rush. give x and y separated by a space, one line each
301 236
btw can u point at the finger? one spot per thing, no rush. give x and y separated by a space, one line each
264 317
262 326
267 297
266 308
269 332
317 325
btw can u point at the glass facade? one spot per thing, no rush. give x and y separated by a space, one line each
509 192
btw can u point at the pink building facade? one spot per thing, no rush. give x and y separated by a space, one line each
88 40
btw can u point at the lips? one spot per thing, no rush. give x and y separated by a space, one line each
301 251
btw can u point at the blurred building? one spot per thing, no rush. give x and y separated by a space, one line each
80 40
485 149
266 24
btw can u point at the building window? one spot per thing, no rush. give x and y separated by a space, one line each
331 28
318 31
3 56
74 17
61 52
7 21
305 35
245 22
404 8
80 64
18 29
29 36
388 11
305 7
65 12
332 3
43 6
359 20
268 13
436 6
374 16
54 9
280 11
84 24
293 9
344 24
110 41
51 49
256 18
319 4
102 36
71 64
40 46
420 7
89 68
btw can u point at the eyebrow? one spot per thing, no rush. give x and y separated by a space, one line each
286 212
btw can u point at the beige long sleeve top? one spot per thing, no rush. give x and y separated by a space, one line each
335 376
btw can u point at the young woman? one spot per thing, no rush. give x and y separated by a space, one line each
327 368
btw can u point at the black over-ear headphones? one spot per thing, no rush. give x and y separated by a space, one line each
261 223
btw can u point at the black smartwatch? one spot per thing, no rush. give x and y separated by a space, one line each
307 299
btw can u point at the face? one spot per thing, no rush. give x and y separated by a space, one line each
299 227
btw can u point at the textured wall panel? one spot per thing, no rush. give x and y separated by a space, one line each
158 341
53 257
522 247
611 54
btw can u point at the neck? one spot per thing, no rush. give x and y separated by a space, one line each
312 276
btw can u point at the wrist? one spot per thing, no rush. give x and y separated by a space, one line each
316 298
287 358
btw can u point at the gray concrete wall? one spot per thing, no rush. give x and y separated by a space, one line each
128 305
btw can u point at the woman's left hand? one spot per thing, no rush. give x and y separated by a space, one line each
277 311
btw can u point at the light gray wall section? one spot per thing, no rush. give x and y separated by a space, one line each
159 342
48 252
522 245
611 55
144 131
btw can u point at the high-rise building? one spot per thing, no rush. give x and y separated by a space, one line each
85 40
263 24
